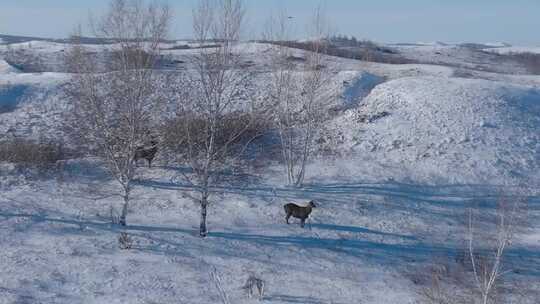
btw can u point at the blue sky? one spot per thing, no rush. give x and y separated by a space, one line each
513 21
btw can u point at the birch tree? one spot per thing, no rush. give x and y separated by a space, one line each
215 109
297 93
487 264
114 98
478 273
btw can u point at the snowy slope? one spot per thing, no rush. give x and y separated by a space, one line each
31 105
514 49
460 56
416 146
66 251
450 129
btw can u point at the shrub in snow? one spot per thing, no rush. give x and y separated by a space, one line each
235 129
219 286
253 284
531 61
27 153
125 241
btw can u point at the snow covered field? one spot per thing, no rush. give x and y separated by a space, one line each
391 201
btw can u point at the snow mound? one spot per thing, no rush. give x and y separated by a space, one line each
6 68
437 129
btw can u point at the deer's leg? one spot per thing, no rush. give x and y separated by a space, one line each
287 218
149 163
302 221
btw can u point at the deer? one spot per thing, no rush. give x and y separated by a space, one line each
298 212
147 153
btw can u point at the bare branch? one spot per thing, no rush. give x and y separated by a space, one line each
114 105
215 109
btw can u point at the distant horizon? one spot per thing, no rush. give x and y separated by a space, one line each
499 43
383 21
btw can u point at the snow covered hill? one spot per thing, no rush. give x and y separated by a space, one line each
450 129
461 56
31 104
514 49
415 146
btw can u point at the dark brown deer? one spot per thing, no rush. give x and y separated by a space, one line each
298 212
147 153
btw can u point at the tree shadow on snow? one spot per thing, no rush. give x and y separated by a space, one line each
375 252
361 230
294 299
451 195
429 201
370 251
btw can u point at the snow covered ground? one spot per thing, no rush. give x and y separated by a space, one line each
417 145
514 49
460 56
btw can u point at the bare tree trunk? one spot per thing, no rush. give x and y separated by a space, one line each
123 216
296 94
488 267
217 88
203 232
114 105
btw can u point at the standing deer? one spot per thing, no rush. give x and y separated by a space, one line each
298 212
147 153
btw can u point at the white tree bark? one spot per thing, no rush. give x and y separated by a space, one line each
114 104
488 265
216 88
